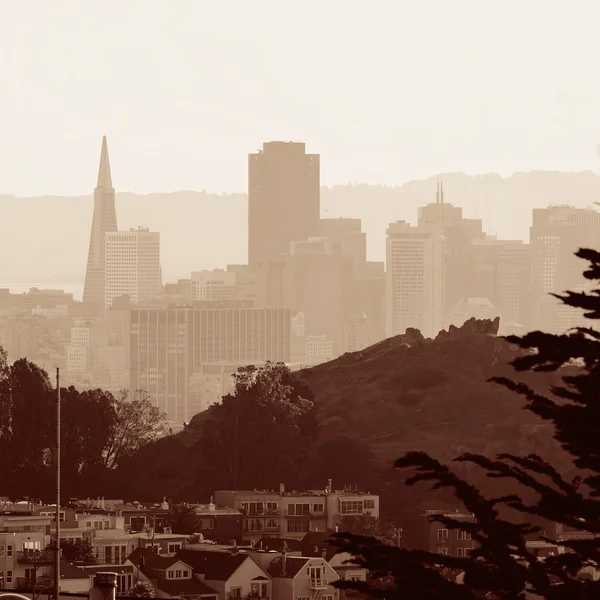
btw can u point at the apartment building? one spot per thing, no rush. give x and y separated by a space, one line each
266 513
23 559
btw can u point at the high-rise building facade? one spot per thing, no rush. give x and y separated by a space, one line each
217 284
104 221
283 199
555 235
132 265
351 239
170 344
414 279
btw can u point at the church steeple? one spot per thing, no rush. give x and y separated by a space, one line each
104 177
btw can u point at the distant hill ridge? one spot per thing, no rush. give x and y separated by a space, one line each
46 238
404 393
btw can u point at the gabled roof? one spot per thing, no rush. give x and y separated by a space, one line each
214 565
293 566
314 542
193 586
150 560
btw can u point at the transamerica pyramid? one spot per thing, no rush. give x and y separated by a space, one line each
105 220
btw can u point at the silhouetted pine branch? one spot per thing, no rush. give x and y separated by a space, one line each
502 562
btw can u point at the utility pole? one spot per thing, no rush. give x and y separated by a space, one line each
57 542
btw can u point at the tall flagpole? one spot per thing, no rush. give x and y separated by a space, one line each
57 541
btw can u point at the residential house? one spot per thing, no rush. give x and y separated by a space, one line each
453 542
125 574
23 541
170 576
232 574
111 542
315 544
303 578
220 523
293 514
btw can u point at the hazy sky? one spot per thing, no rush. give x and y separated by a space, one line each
386 91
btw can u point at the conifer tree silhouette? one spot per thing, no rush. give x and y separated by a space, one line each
501 565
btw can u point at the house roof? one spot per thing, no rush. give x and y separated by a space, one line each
151 560
193 586
270 543
314 542
215 566
293 566
70 571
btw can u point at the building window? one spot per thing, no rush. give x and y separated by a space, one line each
173 548
186 573
466 536
9 576
369 503
318 508
460 534
460 552
298 526
467 552
442 535
235 592
443 551
9 550
352 507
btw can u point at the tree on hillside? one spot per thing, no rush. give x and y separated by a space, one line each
183 518
501 562
260 434
366 525
137 422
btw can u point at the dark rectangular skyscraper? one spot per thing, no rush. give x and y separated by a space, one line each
283 199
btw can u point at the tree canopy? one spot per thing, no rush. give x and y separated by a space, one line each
97 431
260 434
502 563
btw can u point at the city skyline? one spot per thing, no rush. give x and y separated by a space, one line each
430 88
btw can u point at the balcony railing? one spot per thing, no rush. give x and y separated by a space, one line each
319 584
40 583
38 557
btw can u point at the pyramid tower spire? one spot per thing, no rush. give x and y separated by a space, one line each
104 177
103 222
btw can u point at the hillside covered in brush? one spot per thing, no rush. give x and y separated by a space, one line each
404 393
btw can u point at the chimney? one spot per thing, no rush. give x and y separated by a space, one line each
328 488
105 586
324 553
281 489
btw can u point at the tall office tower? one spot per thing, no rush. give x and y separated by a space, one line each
458 235
170 344
555 235
283 199
317 280
502 275
132 265
352 240
413 279
104 221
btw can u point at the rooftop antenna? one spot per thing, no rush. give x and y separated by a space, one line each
441 192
